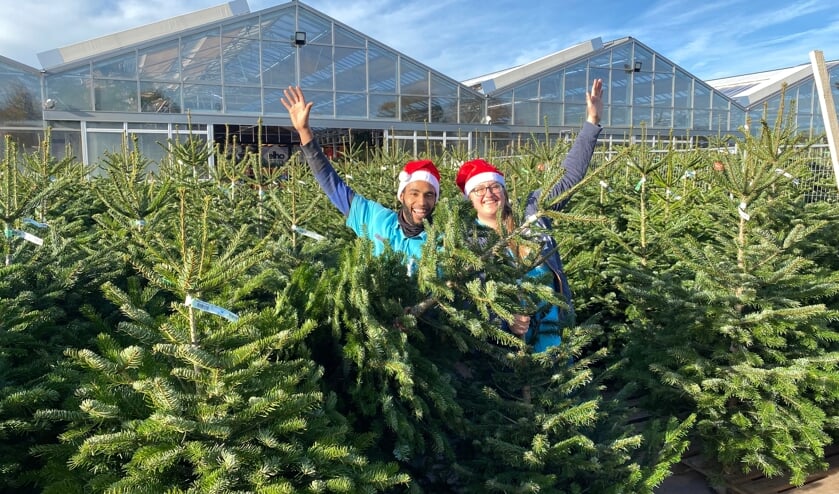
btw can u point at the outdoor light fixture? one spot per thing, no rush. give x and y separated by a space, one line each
300 38
632 68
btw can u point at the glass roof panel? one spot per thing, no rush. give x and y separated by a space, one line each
71 90
622 56
499 107
444 110
732 91
471 107
156 97
248 29
382 69
644 56
805 97
662 65
383 106
720 102
601 61
278 26
318 29
344 37
413 79
526 91
442 87
123 66
642 89
278 66
242 99
241 60
701 96
316 67
159 62
201 57
352 105
414 108
350 69
13 70
551 87
575 83
663 89
202 97
683 91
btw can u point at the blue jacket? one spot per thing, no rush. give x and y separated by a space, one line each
368 219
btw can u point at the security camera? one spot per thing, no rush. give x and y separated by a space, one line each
49 104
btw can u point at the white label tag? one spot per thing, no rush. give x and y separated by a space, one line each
307 233
26 236
741 210
211 308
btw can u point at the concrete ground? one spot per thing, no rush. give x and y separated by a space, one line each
685 482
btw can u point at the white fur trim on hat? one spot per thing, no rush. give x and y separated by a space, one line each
474 180
418 176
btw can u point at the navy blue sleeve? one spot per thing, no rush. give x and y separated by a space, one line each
575 164
336 189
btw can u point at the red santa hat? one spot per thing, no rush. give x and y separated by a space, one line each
422 170
475 172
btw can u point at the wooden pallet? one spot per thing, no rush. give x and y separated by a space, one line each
826 482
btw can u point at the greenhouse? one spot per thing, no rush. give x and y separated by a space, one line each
220 76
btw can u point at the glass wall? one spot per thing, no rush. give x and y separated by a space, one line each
234 71
803 97
20 105
241 67
642 90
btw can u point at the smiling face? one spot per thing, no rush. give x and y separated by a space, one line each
487 198
418 198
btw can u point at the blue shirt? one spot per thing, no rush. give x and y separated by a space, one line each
548 327
368 219
371 220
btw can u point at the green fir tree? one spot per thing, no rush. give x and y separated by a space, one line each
731 317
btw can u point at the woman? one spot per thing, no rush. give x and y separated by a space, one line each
484 185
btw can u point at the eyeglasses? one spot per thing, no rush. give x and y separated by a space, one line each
482 190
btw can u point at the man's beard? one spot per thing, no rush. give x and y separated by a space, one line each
409 228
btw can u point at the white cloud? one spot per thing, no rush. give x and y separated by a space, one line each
466 39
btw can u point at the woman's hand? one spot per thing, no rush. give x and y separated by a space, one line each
521 323
594 102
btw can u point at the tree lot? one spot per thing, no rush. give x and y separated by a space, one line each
705 300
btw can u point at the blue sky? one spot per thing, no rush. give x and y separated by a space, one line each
465 39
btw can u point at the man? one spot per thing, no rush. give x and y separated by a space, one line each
418 191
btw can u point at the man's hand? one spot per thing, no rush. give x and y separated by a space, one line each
298 111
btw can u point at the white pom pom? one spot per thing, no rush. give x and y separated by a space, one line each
404 176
